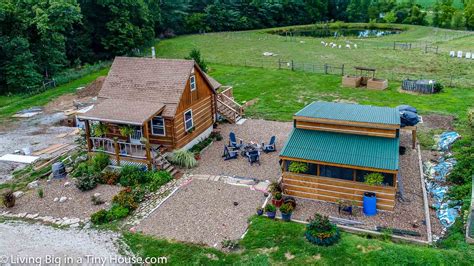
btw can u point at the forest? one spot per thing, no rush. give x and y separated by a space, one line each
40 39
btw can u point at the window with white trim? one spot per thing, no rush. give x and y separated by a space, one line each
158 126
188 120
192 82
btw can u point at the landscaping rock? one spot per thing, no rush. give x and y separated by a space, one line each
33 185
80 159
69 169
56 199
18 194
21 215
62 199
67 184
97 195
32 216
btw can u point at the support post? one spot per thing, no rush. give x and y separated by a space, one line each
147 145
342 69
88 136
117 151
413 138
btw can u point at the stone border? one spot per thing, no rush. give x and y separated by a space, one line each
65 221
425 197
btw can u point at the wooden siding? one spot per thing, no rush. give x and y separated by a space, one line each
190 98
357 130
346 123
332 189
166 140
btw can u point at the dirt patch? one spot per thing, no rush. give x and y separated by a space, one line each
92 90
434 121
78 204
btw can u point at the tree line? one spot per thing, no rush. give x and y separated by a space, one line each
40 38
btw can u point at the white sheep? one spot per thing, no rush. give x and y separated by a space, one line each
348 46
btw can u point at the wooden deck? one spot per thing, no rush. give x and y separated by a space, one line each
332 189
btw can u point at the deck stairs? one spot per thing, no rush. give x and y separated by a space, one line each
161 163
228 108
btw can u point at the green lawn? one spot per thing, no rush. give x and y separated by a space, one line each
9 105
429 4
281 93
246 48
275 242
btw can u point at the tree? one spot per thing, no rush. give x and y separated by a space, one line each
469 14
458 20
390 17
195 54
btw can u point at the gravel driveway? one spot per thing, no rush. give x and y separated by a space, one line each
204 212
258 131
21 240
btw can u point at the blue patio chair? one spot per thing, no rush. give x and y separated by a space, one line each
233 142
271 146
254 157
228 155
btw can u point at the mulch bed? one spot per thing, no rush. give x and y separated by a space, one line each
434 121
204 212
258 131
406 213
78 205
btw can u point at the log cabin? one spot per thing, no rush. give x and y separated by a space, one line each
149 106
341 143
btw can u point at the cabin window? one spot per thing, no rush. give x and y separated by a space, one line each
158 126
188 120
192 82
336 172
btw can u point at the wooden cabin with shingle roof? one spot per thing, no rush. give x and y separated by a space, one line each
340 144
148 106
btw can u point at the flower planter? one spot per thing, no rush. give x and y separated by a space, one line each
323 241
271 215
369 204
286 217
277 203
259 212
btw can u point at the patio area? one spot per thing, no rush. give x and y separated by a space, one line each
204 212
257 131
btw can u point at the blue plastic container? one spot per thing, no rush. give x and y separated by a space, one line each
286 217
369 204
271 215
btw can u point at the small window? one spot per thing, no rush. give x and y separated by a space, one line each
158 126
192 82
188 120
336 172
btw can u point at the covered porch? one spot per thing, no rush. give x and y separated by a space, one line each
120 129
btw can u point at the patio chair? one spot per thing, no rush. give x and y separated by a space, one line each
233 142
271 146
228 155
254 157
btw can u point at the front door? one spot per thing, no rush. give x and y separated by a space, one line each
136 135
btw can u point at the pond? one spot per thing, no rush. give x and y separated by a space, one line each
321 33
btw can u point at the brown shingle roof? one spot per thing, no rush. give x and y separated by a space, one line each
214 83
123 111
148 79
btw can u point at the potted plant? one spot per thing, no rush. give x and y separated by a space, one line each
321 231
346 206
126 131
277 199
370 199
143 140
298 167
259 211
197 156
270 209
274 187
99 130
286 210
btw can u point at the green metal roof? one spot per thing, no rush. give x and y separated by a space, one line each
351 112
339 148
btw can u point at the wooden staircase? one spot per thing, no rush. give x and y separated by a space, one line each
228 107
161 163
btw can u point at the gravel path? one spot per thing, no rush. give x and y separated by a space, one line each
203 212
78 204
259 131
405 214
20 240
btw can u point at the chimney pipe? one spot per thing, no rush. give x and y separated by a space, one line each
153 54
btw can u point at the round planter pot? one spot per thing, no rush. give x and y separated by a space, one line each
259 212
369 204
277 203
286 217
271 215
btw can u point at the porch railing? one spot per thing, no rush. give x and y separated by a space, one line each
120 148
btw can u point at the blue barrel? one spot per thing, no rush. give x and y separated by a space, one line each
369 204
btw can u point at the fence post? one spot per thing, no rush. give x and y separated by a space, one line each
279 63
117 151
342 69
292 68
326 69
394 45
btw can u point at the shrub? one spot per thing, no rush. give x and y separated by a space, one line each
100 161
286 208
132 175
270 208
97 200
230 244
8 199
157 179
99 130
109 177
99 217
216 136
274 187
126 199
40 192
116 213
87 182
321 231
438 87
183 158
298 167
83 169
373 179
201 145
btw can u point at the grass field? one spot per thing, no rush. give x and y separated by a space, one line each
9 105
246 49
428 4
275 242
